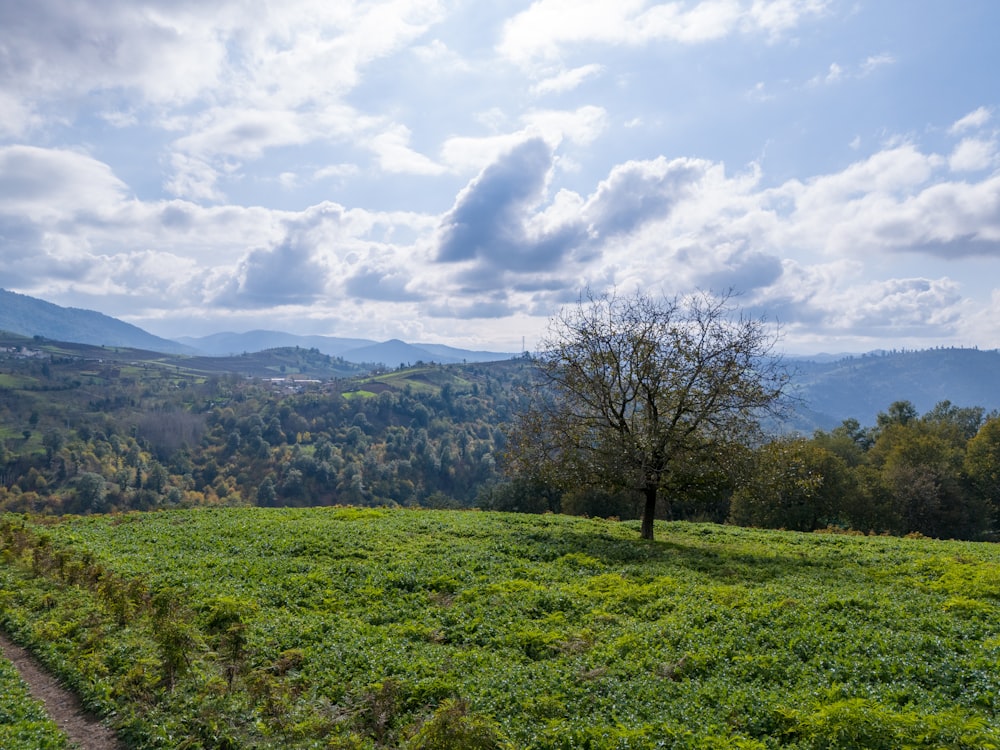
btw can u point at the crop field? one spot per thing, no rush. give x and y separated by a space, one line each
378 628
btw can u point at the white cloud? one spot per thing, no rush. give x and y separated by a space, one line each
895 171
16 116
336 171
896 200
682 224
820 305
705 21
47 184
396 156
193 178
242 101
167 54
874 62
236 79
975 119
542 31
778 16
118 119
982 326
972 155
656 224
838 73
243 133
464 154
913 303
566 80
219 141
302 52
441 57
581 126
759 93
289 54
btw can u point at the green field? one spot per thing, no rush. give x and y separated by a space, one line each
371 628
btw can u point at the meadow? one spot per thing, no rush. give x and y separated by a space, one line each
389 628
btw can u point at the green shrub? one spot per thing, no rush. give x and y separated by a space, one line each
454 727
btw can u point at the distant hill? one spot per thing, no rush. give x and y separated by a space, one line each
390 353
862 386
828 388
441 353
28 316
227 343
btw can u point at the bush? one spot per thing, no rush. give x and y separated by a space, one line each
452 727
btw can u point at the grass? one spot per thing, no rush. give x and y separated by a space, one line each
391 628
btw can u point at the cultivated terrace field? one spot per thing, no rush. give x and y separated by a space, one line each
378 628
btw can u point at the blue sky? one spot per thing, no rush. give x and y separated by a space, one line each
454 171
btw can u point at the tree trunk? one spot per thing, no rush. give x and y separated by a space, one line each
649 512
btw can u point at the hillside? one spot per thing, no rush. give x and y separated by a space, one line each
368 628
860 387
28 316
307 429
72 359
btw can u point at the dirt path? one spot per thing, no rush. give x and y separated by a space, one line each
84 731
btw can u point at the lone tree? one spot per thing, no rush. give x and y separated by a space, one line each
636 391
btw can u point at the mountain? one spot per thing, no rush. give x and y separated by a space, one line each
228 343
395 352
389 353
862 386
28 316
442 353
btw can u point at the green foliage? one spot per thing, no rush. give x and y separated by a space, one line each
23 722
161 437
982 463
934 475
376 628
795 484
452 727
866 724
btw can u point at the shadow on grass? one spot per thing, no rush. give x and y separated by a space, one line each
715 555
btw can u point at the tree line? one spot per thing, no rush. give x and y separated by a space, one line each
936 474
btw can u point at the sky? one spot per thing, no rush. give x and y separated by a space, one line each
456 171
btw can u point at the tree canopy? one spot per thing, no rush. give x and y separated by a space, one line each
637 391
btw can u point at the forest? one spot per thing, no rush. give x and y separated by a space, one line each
86 434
